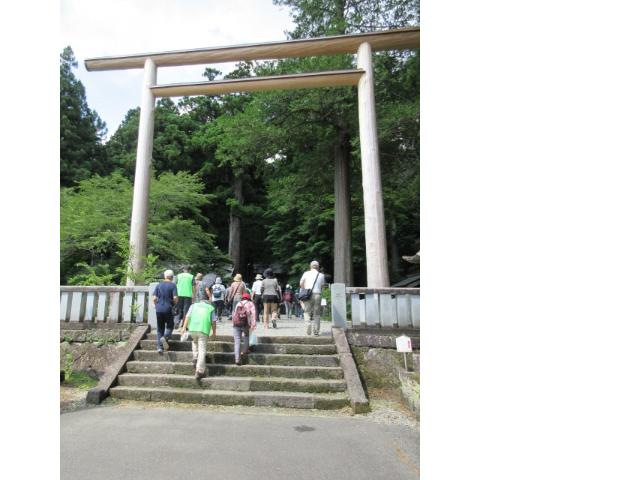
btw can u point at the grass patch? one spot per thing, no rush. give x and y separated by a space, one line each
80 380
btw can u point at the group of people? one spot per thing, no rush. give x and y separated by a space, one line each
174 302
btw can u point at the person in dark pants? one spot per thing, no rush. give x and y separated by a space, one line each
256 294
165 296
217 297
186 291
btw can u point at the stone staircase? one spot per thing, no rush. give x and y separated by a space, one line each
291 371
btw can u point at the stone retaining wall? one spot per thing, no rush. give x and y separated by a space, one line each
382 367
92 350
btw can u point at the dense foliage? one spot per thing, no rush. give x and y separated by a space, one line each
81 129
260 164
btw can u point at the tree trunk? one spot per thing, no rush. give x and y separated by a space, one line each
235 253
342 263
394 251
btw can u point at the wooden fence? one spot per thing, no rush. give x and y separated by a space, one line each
107 304
375 307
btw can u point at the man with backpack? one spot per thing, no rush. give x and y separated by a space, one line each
201 323
244 319
217 297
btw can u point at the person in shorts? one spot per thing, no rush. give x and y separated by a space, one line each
271 296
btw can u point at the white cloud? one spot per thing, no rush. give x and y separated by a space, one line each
97 28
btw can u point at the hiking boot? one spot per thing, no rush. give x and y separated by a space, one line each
160 350
165 344
199 375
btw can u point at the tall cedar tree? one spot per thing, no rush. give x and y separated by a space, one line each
81 129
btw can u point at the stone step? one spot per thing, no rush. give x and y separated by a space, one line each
323 401
244 384
252 358
309 339
186 368
221 346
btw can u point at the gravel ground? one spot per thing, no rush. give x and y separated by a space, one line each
72 399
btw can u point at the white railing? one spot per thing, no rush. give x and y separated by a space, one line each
108 304
375 307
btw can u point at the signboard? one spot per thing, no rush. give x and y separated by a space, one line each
323 302
403 344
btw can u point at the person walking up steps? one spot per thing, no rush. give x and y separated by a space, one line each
201 323
202 291
256 294
217 297
234 292
310 287
287 296
186 292
165 296
271 297
244 320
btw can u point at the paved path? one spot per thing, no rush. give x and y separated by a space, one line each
122 442
293 327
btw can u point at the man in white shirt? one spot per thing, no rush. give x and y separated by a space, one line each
312 280
256 294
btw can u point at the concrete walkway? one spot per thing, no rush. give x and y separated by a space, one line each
293 327
122 442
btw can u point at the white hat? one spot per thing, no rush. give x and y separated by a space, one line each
314 264
168 273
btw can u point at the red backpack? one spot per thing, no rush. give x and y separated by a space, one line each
241 315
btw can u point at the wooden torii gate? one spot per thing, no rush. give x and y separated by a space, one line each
362 76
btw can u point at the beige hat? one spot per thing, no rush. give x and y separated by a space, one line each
237 278
259 277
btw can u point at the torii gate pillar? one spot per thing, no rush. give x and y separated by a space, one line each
140 208
374 227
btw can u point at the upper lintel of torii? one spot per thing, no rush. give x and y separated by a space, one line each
400 39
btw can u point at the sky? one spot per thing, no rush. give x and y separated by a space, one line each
97 28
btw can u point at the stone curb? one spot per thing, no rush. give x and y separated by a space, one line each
381 340
359 401
100 392
305 400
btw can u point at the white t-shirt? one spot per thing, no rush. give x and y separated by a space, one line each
309 277
256 288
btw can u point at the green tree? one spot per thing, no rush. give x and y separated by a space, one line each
320 125
95 219
81 129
